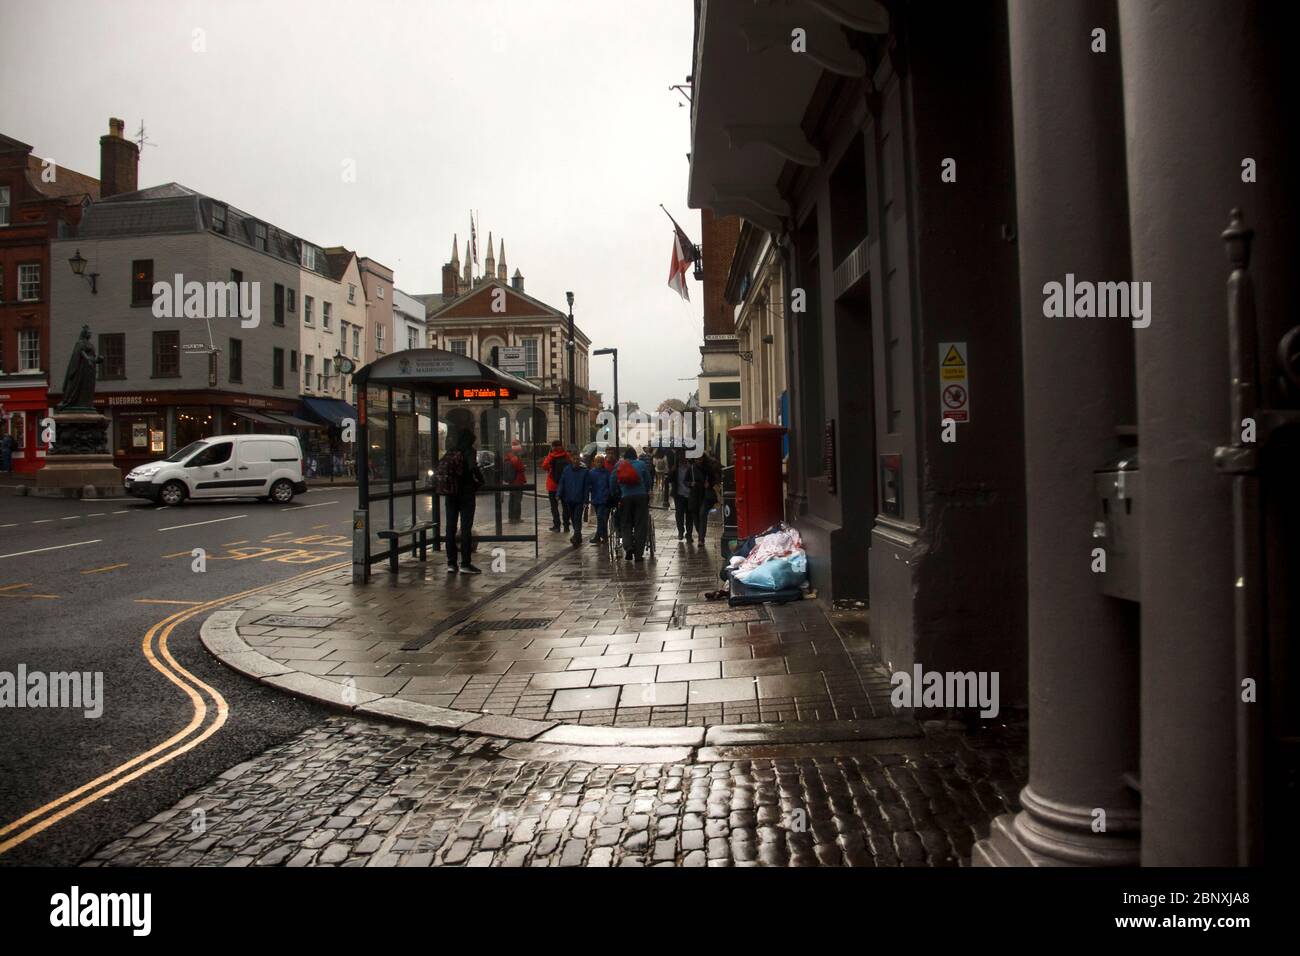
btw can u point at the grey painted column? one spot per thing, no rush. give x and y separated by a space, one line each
1197 101
1078 377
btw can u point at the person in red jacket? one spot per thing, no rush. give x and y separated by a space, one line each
515 475
554 464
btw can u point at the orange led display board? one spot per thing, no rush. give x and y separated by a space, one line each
483 391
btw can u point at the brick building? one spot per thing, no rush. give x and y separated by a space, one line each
39 202
719 378
477 315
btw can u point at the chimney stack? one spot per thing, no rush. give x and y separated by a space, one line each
449 281
119 162
517 282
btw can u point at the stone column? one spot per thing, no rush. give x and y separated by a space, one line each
1201 83
1078 386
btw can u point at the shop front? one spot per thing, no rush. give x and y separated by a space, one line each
24 401
146 426
328 455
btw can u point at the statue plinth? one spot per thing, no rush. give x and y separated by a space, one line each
79 458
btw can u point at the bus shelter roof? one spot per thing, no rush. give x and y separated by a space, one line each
439 370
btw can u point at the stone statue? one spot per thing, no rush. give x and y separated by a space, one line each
79 382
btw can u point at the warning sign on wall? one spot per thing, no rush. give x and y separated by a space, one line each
954 382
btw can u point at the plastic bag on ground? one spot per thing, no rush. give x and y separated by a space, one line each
788 571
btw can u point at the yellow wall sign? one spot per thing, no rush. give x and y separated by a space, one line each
954 382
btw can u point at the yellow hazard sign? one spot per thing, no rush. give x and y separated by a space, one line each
954 382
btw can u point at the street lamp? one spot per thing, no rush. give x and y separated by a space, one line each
618 437
573 429
78 264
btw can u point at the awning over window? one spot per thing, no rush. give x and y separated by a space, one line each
293 420
332 411
259 419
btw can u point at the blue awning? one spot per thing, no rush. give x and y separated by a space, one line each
329 410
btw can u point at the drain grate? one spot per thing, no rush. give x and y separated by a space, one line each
513 624
295 620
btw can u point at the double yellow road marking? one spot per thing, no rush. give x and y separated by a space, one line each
194 733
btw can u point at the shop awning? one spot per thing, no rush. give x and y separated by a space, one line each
332 411
293 420
260 419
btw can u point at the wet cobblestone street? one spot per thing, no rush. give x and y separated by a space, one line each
361 793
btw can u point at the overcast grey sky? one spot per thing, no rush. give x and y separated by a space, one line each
552 118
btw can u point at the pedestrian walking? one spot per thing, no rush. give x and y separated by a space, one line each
7 453
516 476
661 474
708 475
574 490
685 507
554 464
600 498
458 480
635 481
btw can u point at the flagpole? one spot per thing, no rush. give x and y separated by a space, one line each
670 217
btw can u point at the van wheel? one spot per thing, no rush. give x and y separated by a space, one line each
172 493
282 492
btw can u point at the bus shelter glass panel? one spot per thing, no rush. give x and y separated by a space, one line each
379 448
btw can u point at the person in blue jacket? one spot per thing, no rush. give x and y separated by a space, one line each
635 479
601 479
574 490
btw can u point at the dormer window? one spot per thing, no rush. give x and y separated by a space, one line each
219 218
259 236
308 256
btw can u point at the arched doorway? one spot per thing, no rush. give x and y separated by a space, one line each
531 432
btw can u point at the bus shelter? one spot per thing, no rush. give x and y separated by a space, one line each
412 406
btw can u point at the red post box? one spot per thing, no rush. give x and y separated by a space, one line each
759 498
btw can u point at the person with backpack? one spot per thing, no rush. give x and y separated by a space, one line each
515 476
601 498
554 464
635 481
458 480
574 490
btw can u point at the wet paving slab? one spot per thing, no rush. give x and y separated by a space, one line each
587 640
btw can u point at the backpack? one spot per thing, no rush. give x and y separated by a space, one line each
557 467
627 473
447 476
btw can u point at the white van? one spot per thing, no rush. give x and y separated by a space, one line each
224 466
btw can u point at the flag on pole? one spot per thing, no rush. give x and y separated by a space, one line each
684 253
473 239
678 266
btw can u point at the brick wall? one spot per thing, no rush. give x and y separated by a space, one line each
718 237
